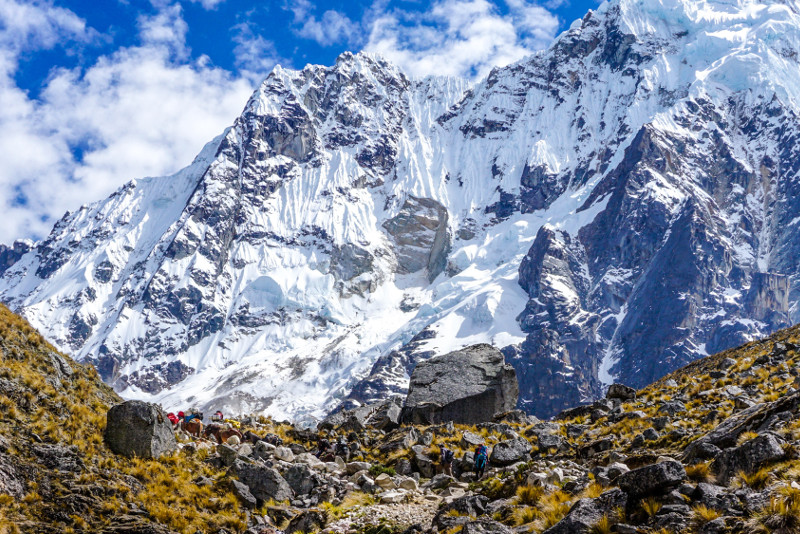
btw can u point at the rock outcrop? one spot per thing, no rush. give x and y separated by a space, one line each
139 429
468 386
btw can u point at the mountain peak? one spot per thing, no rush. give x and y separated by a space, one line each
611 208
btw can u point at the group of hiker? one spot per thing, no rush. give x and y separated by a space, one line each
194 414
328 448
481 456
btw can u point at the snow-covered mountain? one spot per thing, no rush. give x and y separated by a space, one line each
608 209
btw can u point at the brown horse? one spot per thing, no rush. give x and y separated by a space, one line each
221 432
193 427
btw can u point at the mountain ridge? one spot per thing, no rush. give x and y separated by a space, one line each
608 209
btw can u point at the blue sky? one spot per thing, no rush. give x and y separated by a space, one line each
91 96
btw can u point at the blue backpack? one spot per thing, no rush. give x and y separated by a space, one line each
480 458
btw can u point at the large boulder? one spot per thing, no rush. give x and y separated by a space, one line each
586 512
510 451
650 479
726 434
748 457
265 483
466 386
141 429
307 521
461 508
485 526
621 392
301 478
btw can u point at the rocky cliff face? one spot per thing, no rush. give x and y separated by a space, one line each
609 209
10 255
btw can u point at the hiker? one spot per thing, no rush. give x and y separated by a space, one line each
322 445
342 449
447 461
217 417
481 456
173 419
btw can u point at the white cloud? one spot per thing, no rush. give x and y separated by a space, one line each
166 27
137 112
38 25
461 37
208 4
255 55
334 27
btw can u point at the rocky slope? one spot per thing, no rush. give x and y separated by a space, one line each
56 473
612 208
711 448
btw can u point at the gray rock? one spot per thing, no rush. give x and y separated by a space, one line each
621 392
596 447
11 482
263 450
576 431
301 478
510 451
264 482
469 505
423 462
727 432
469 440
748 457
227 453
386 417
650 479
441 481
355 467
672 408
615 470
660 423
703 451
60 457
403 467
485 526
466 386
244 495
713 496
141 429
307 521
672 522
586 512
421 239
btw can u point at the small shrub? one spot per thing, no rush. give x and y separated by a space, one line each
702 514
553 507
651 506
603 526
525 515
756 481
782 514
529 495
700 472
378 469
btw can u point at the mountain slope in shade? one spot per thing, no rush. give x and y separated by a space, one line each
609 209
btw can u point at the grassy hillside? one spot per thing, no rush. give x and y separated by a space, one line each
60 477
